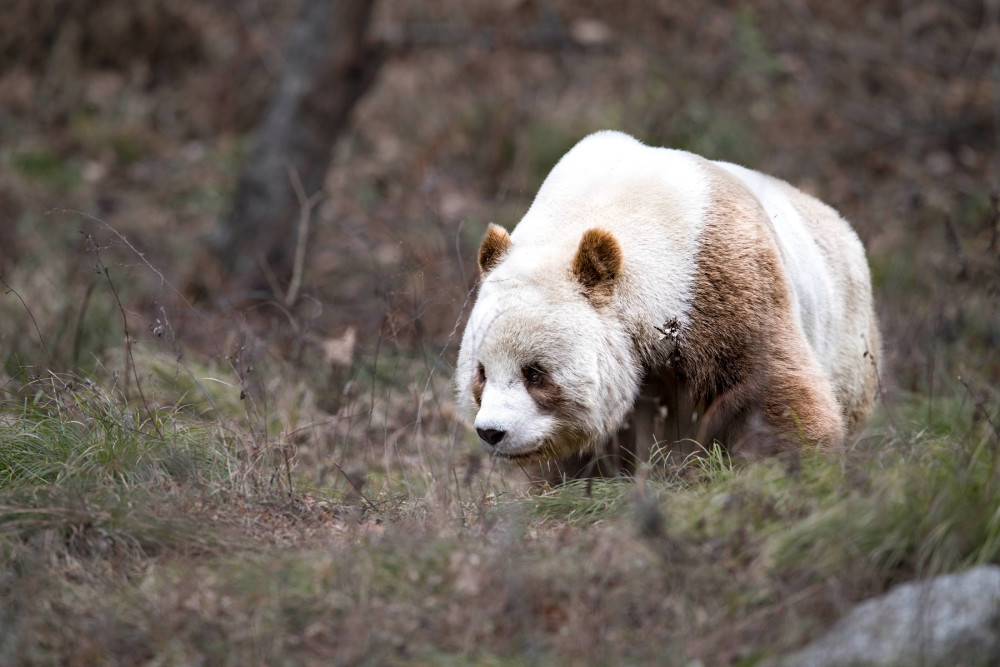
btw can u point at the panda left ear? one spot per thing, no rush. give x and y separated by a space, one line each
597 264
494 247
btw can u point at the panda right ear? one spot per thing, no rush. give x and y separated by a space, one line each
493 248
597 265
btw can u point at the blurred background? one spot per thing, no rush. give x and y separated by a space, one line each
187 145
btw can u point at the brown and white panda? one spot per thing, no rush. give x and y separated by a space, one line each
728 301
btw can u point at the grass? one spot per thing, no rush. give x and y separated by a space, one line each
256 507
934 508
134 535
82 465
248 505
582 502
67 429
221 515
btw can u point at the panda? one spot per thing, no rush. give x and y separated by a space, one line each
653 297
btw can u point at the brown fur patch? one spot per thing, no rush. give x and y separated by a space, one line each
743 353
597 263
548 395
856 405
494 247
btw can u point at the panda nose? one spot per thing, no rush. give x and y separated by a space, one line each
490 436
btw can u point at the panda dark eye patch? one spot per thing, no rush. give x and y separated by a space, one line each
479 384
533 374
542 388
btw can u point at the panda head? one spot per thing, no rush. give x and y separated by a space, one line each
545 368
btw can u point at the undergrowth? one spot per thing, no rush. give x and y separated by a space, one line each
167 512
83 464
63 430
176 506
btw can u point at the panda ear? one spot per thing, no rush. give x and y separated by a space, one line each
597 264
493 248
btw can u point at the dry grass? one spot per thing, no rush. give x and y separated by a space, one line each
196 525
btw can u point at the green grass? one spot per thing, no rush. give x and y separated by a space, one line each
93 471
581 502
188 523
149 532
935 507
61 430
208 518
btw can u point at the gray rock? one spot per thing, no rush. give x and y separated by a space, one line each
949 620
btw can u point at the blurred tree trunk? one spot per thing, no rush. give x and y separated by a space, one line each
328 65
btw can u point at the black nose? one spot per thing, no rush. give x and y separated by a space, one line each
490 436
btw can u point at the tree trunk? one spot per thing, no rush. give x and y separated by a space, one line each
328 65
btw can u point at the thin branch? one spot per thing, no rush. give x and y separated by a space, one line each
269 275
879 389
355 486
11 290
306 205
78 330
163 280
978 403
128 338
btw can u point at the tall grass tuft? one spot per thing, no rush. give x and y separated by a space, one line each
62 430
925 503
83 464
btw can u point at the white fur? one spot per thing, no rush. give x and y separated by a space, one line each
816 304
530 308
506 406
821 285
652 199
518 321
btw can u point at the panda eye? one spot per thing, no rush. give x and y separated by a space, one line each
532 375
